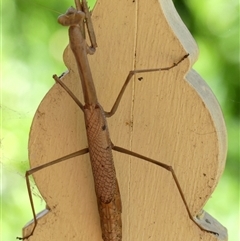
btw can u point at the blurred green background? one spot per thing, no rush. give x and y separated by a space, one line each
32 46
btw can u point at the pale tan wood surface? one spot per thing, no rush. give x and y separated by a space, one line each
172 117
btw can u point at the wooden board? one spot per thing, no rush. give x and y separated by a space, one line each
172 117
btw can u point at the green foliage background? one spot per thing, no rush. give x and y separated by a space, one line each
32 46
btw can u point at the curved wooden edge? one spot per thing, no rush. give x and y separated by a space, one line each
180 30
209 99
211 224
200 86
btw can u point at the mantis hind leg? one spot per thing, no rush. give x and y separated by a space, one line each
196 220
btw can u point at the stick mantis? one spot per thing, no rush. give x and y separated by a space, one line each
106 186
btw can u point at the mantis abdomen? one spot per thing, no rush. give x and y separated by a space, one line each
106 185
